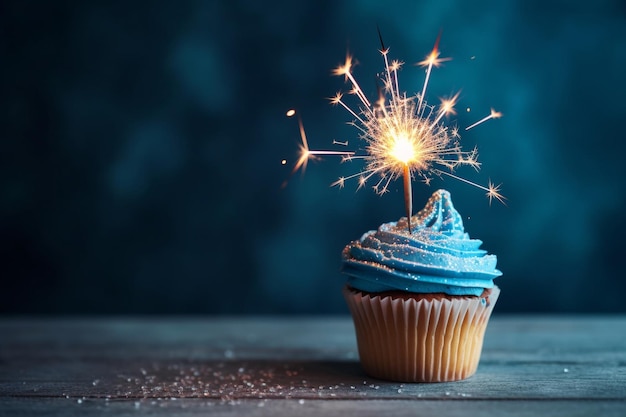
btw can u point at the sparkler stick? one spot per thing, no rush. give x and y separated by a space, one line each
408 195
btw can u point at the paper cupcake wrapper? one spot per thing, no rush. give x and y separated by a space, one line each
419 340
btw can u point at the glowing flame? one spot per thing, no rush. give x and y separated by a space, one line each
403 148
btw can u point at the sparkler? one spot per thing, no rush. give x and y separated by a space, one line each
404 135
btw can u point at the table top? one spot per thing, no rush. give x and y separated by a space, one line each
530 365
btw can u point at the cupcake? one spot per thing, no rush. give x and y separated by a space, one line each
420 300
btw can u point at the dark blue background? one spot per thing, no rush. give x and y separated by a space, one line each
142 145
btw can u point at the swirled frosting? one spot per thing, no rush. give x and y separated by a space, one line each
437 256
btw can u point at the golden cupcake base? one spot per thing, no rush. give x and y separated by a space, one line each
420 338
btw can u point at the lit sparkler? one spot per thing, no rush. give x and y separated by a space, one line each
404 135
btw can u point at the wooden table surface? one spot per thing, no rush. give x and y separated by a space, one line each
531 365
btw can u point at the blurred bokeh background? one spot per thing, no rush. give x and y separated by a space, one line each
141 149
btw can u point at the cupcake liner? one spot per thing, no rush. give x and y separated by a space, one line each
419 339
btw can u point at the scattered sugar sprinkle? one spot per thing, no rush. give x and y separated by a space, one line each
222 380
228 381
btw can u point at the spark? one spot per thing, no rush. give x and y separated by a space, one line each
346 69
306 154
493 115
432 60
403 135
491 191
494 192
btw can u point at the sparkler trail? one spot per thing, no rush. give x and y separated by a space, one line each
404 136
493 115
305 153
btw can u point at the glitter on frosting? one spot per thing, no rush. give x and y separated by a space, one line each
437 256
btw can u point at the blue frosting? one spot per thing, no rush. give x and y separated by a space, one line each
437 256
